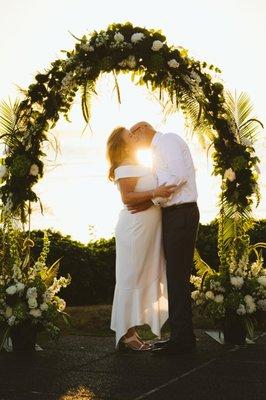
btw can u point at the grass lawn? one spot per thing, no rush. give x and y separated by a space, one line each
95 321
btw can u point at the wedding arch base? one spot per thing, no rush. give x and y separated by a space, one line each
222 122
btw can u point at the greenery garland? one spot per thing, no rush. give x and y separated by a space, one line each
192 86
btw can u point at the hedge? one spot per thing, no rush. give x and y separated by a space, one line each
92 265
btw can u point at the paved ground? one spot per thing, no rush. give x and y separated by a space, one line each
85 367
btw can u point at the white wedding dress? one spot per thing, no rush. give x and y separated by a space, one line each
141 293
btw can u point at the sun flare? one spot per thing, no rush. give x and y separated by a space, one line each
145 157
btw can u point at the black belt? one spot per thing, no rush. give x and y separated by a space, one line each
182 205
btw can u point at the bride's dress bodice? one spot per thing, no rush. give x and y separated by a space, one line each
146 179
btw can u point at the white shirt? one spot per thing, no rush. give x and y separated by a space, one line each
173 164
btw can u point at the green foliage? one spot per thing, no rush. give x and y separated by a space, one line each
92 266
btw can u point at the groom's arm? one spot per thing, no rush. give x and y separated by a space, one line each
136 208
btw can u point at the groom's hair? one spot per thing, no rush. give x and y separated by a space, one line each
138 125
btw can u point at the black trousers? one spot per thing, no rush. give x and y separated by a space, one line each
180 227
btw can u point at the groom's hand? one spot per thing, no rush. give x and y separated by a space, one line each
139 207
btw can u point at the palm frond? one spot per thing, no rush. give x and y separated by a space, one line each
52 272
9 121
201 266
233 224
239 108
8 117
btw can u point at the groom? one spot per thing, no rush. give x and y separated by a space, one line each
173 165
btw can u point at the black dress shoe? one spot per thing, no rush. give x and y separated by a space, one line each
160 344
171 349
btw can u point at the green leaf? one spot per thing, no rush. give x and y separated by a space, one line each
117 87
201 266
88 90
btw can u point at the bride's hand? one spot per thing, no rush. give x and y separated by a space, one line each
164 190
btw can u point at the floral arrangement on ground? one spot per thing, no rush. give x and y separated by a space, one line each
238 290
29 289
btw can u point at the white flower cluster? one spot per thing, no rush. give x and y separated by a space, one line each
173 63
16 288
101 39
157 45
256 268
198 297
230 175
237 281
137 37
262 280
196 281
118 37
56 286
87 47
34 170
130 62
218 298
250 304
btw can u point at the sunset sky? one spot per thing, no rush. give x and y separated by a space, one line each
75 192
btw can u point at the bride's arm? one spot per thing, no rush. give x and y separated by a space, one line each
129 196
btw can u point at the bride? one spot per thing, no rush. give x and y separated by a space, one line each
140 295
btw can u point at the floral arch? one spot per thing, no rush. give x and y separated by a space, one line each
237 292
190 86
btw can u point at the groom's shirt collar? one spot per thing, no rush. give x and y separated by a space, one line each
155 139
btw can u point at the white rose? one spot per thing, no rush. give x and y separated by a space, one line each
8 312
230 175
173 63
195 294
34 170
11 320
11 290
137 37
248 299
209 295
118 37
131 62
20 286
36 313
241 310
219 298
3 171
237 281
262 304
157 45
262 280
44 306
32 292
32 302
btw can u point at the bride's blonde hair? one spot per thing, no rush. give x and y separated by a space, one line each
116 151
